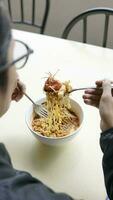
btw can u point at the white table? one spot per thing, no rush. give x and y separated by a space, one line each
74 168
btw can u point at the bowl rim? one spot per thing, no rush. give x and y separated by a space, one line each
54 138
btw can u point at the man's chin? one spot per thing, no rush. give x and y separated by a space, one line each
2 114
3 111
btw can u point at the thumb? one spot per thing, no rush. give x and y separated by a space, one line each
106 88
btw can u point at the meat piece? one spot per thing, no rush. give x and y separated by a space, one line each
52 85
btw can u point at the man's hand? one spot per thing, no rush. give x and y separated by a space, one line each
103 100
18 92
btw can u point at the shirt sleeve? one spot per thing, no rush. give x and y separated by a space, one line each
106 143
6 168
20 185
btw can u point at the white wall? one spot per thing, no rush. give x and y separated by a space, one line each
62 11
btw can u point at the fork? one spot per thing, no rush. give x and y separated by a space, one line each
39 109
85 88
66 126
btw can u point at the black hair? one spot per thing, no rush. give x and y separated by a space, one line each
5 39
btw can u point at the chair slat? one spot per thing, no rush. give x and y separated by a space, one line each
33 12
85 30
9 7
47 7
105 30
22 10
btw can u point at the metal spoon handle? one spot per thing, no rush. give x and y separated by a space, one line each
29 98
85 88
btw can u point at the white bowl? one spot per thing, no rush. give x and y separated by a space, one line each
51 140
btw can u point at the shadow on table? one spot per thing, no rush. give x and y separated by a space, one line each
43 155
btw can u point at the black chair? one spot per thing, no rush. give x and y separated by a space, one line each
22 20
83 16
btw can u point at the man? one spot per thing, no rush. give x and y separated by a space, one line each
19 185
104 101
14 184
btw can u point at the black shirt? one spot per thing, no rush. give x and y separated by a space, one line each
106 143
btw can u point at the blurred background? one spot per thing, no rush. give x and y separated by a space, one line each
61 12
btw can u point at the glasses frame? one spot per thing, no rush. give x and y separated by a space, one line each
29 52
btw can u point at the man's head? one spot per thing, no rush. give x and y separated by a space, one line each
8 77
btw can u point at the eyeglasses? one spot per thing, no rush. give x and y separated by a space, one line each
21 55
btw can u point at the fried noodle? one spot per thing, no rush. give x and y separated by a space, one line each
59 113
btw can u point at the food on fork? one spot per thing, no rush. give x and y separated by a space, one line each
52 85
61 121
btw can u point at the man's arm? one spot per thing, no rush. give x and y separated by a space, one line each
106 143
103 99
6 168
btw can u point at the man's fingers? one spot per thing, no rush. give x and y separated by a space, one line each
91 102
21 86
19 90
92 97
99 83
106 88
93 91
